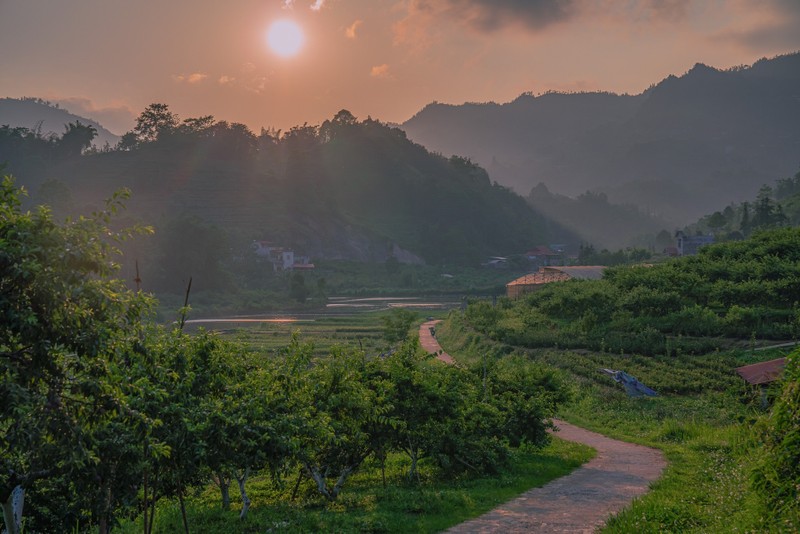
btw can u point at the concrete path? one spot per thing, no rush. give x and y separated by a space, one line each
580 501
428 341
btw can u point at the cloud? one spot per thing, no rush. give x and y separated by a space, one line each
315 6
116 118
195 77
249 79
766 27
350 31
488 16
380 71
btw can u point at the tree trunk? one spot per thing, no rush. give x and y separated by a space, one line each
413 452
12 510
322 485
297 485
242 480
183 508
148 526
104 521
145 522
224 483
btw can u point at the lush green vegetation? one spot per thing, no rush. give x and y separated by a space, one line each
703 420
774 206
733 467
737 290
429 505
107 417
344 189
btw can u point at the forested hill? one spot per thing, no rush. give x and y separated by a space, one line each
344 189
678 149
35 113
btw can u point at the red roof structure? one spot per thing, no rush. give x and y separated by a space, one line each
762 373
546 275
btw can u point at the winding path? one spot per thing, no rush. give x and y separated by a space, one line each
580 501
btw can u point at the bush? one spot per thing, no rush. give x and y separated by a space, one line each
777 476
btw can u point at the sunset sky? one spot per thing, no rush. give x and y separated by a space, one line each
108 59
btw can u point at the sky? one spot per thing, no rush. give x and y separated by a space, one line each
386 59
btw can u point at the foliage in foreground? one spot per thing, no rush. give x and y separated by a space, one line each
65 327
777 475
722 476
104 415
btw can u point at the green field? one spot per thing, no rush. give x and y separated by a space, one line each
703 420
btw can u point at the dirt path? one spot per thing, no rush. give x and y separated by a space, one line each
429 343
580 501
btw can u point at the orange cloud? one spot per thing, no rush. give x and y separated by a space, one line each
380 71
351 30
195 77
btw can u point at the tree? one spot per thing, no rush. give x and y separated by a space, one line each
716 221
425 399
745 225
397 323
154 123
339 407
76 139
64 319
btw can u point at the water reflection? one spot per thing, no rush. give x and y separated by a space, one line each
338 307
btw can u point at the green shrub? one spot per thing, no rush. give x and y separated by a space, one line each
777 475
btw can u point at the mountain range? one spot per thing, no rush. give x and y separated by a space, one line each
677 150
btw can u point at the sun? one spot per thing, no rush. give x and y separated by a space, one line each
285 37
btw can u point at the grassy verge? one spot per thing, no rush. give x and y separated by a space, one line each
701 421
366 506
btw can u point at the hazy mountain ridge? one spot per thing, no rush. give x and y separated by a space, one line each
346 189
33 113
706 136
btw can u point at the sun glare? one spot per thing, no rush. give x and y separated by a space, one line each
285 38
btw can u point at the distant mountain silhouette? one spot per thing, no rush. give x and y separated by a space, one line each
684 146
38 114
342 190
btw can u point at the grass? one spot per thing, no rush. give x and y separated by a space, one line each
702 421
431 505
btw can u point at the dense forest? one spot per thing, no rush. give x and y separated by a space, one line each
344 189
774 206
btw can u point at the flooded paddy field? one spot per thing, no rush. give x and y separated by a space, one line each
344 321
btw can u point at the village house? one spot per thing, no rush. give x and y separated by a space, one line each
544 256
281 258
689 245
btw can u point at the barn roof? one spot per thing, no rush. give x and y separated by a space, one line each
582 272
762 373
539 277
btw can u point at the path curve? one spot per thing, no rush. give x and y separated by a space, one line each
580 501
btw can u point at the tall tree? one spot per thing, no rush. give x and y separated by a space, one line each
76 139
62 321
155 122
